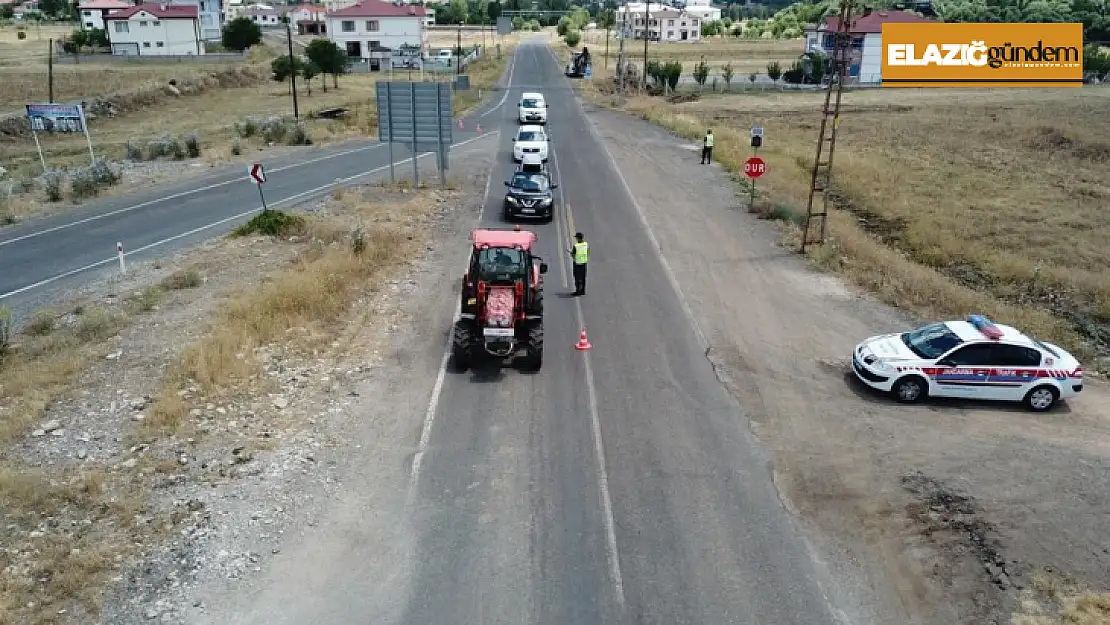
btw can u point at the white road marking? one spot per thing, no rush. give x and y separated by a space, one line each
161 242
559 228
441 375
508 88
643 221
39 233
814 555
602 474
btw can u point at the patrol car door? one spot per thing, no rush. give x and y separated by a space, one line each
1015 367
965 371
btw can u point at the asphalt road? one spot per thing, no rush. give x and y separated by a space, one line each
44 255
619 485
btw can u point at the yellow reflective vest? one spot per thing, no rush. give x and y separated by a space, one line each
581 253
709 140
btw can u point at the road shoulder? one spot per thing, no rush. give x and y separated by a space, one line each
864 475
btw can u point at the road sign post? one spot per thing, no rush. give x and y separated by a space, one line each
418 115
754 167
52 118
257 173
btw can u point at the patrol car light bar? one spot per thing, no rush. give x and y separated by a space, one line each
984 326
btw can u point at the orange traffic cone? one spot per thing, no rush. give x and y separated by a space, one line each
583 343
460 124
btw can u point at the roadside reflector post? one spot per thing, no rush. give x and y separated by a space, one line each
122 262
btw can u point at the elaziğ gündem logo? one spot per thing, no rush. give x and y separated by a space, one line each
982 55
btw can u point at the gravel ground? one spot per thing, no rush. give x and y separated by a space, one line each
948 509
260 465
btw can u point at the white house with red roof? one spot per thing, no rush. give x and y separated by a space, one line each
309 19
866 57
93 11
377 31
155 30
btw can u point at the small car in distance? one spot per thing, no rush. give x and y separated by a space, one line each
532 109
530 139
530 193
970 359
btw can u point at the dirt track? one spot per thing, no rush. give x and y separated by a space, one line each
947 509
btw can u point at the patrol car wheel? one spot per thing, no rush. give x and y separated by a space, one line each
910 389
1041 398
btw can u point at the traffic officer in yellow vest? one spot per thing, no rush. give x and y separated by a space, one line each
580 252
707 148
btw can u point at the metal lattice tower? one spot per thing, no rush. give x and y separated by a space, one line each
817 220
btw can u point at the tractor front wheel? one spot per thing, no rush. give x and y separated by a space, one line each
462 343
534 351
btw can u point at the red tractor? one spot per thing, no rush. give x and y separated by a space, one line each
501 313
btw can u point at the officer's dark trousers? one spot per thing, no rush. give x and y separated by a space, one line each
580 279
706 155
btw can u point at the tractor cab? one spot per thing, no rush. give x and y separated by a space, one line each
500 266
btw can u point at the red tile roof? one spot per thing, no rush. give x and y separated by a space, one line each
161 11
379 8
311 8
873 23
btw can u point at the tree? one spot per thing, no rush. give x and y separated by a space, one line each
726 73
282 68
53 8
563 26
774 71
493 10
240 34
701 72
7 12
1096 61
328 57
309 71
518 23
573 37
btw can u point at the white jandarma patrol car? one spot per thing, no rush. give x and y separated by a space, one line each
972 359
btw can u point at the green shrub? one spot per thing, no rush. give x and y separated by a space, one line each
186 279
134 151
165 146
53 184
298 135
246 128
273 130
42 323
271 223
192 145
97 325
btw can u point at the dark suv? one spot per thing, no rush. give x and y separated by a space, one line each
530 193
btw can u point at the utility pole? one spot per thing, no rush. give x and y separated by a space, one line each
50 70
458 51
647 37
621 71
292 65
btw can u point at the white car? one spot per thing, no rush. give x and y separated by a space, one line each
530 140
972 359
532 109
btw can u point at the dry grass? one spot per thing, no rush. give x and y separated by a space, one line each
950 201
449 39
745 55
46 363
69 560
303 303
1057 600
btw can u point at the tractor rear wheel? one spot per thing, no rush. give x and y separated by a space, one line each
534 351
462 340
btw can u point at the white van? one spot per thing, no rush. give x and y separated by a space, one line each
532 109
